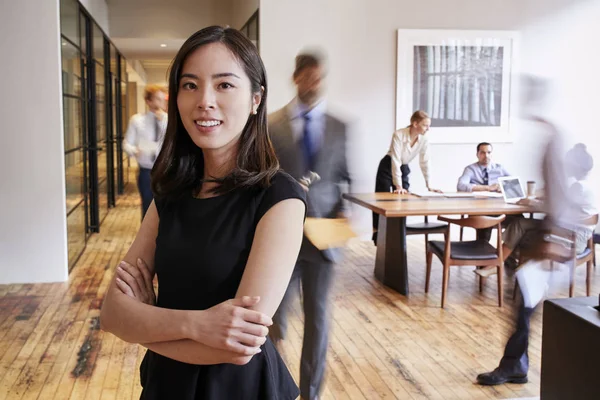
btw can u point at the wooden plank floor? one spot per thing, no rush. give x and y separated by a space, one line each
383 345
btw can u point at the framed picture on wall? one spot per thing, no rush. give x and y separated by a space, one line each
462 79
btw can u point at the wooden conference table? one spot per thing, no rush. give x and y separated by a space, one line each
390 262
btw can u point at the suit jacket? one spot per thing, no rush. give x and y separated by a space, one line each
324 198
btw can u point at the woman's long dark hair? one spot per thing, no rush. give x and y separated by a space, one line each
179 168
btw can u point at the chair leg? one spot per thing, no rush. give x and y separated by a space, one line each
426 241
572 280
500 284
481 281
515 289
588 276
461 233
429 258
445 284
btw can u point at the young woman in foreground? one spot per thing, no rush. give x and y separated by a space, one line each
222 236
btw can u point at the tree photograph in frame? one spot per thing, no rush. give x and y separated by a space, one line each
462 79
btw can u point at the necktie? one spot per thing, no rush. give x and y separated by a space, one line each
486 177
308 144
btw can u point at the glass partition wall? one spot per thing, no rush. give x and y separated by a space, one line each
94 105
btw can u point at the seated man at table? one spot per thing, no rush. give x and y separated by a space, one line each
482 176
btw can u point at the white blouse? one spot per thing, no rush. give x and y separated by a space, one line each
402 152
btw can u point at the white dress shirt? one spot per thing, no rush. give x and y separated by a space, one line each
402 153
141 139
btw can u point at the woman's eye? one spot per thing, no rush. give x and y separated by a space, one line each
189 85
225 85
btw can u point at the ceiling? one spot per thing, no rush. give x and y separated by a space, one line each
152 31
139 27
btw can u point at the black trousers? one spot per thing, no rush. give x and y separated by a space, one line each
384 182
145 189
516 359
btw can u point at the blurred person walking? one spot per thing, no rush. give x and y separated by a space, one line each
143 138
308 140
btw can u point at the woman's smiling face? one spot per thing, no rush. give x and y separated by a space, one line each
214 97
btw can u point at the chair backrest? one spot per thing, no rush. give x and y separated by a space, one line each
476 221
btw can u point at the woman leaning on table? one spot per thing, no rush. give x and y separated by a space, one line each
393 171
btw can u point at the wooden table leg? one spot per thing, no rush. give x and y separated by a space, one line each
390 262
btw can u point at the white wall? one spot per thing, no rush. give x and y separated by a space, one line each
157 76
98 9
359 37
561 47
33 238
136 73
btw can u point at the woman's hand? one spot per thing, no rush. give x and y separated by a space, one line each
401 191
136 282
434 190
231 326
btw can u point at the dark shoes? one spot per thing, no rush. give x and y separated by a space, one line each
510 265
499 376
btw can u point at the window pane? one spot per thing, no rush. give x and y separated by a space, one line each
71 69
76 233
123 69
124 119
98 44
83 25
100 105
126 163
113 60
102 187
69 20
100 123
74 179
73 121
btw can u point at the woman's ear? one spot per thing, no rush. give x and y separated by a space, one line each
257 100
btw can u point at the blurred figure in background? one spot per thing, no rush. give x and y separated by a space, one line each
308 139
565 207
143 137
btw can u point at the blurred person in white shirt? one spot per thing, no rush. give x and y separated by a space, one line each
567 201
143 138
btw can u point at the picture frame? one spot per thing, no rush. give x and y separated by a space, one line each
464 79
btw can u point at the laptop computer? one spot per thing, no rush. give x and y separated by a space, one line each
511 189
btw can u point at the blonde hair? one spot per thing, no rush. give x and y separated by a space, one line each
151 90
418 116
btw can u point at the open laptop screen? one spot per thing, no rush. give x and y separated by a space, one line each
511 188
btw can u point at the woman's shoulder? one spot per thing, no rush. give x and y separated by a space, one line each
283 182
402 131
282 187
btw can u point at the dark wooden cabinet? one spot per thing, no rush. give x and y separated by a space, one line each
571 349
